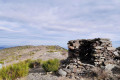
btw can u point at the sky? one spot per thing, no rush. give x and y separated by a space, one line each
55 22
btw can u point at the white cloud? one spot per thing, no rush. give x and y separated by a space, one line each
6 29
111 36
64 19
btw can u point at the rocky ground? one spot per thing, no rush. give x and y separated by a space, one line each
40 74
21 53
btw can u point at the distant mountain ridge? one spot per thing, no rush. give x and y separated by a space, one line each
2 47
5 46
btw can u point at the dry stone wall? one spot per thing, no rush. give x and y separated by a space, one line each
87 56
94 51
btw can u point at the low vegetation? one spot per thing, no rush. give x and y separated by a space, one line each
1 62
0 78
18 70
51 65
21 69
14 71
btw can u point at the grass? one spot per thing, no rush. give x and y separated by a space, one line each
51 65
14 71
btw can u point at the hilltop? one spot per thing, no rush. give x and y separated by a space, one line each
21 53
86 59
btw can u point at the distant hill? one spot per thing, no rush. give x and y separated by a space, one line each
2 47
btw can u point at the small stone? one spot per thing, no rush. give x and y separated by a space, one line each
71 66
109 66
75 63
99 47
67 70
78 62
62 73
102 57
74 70
116 53
70 47
110 48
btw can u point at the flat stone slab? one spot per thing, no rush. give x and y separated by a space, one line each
110 48
99 47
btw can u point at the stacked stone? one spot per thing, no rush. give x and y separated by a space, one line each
74 69
96 51
85 56
117 56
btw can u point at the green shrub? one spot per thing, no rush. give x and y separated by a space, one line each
14 71
1 62
0 78
32 62
51 65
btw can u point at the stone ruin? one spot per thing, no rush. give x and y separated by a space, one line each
87 54
94 51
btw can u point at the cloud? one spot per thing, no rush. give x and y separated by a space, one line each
50 20
6 29
111 36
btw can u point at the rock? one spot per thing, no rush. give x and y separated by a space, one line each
116 53
74 70
116 70
70 66
110 48
109 67
99 47
67 70
62 73
70 47
78 62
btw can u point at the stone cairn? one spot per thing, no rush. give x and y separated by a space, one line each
85 55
